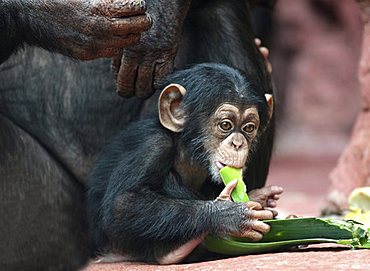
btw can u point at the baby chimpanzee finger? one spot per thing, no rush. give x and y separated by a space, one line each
226 192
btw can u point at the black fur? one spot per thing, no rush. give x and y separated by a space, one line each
137 202
232 44
21 22
63 112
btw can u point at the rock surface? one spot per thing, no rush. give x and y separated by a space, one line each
353 169
317 257
315 63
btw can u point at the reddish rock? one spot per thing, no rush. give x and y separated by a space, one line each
305 183
315 60
353 168
318 257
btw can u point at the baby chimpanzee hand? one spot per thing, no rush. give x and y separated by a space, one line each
252 227
266 196
250 215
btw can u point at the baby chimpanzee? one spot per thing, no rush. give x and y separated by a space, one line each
152 193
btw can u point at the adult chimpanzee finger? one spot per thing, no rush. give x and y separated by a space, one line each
226 192
111 47
124 26
162 69
107 52
144 81
93 53
121 8
116 63
126 77
121 42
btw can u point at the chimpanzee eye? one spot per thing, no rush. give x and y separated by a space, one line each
249 128
226 125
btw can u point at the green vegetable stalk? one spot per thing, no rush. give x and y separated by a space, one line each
229 174
286 233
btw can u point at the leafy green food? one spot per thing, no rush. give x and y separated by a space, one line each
359 206
286 233
229 174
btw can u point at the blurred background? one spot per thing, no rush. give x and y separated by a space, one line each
315 49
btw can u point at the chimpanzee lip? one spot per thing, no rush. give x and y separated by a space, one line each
221 165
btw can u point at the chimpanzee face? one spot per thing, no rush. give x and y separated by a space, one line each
214 136
232 131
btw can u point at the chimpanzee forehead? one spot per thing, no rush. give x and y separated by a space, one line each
240 111
240 98
207 102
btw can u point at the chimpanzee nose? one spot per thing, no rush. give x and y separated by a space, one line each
237 141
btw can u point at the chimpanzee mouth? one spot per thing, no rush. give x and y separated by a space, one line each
220 165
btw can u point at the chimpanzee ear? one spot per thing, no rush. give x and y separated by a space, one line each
270 104
171 115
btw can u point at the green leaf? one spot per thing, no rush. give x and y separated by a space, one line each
231 247
286 233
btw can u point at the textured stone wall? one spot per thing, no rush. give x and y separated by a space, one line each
315 57
353 168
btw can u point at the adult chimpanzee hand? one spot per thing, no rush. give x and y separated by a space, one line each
138 66
83 29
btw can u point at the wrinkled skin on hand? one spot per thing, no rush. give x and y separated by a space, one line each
266 196
138 66
251 225
85 29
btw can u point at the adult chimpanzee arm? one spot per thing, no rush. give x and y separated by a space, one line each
80 29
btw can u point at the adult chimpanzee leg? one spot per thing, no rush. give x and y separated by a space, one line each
220 31
68 106
57 114
42 224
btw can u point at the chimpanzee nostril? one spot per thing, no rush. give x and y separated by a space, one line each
237 141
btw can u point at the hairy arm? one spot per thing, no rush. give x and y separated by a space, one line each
138 203
152 225
83 29
154 214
